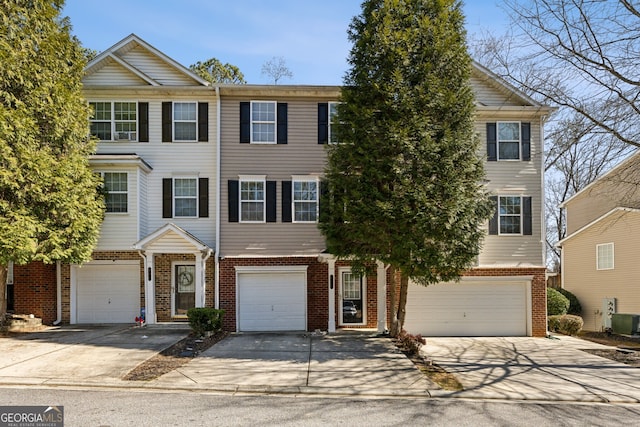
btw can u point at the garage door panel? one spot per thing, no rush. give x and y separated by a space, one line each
468 308
107 293
271 301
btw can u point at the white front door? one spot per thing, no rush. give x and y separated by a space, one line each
352 298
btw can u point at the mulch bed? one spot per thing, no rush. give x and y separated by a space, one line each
173 357
627 351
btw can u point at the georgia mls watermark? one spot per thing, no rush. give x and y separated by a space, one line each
31 416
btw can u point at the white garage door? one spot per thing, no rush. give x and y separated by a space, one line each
108 293
272 301
468 308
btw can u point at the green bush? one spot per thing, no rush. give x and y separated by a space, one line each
554 323
204 319
570 324
556 302
567 324
574 305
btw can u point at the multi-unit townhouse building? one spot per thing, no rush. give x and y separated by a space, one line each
213 196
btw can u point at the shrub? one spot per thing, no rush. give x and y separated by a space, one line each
554 323
556 302
410 343
570 324
574 305
205 319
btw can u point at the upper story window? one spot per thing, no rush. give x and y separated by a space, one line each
263 122
327 112
185 121
252 200
116 186
185 197
333 111
114 121
512 216
604 256
508 141
305 200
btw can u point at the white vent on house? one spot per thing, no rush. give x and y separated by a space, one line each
126 136
608 309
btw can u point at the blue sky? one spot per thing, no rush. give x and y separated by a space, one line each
310 35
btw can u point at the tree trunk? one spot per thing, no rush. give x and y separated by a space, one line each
402 303
3 291
393 327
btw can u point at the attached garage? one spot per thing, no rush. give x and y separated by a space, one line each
272 300
473 307
107 293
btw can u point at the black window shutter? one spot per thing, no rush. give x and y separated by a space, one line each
167 122
203 197
286 201
525 129
245 122
527 228
492 142
493 222
233 188
167 197
203 121
323 123
143 122
271 201
282 123
323 208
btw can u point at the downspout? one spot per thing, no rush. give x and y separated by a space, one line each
207 254
58 294
217 226
543 223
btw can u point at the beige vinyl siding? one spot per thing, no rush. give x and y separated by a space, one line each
514 178
492 94
113 74
169 159
590 285
143 209
302 155
155 68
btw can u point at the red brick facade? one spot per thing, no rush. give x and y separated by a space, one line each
34 289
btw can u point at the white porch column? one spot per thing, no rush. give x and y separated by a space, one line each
382 296
331 266
149 288
199 281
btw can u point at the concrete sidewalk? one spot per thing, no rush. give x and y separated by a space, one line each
533 369
341 364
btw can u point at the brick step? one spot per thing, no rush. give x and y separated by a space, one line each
25 323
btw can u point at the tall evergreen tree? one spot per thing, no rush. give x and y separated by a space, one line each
50 208
405 180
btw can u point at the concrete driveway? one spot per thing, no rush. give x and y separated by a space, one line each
534 368
81 354
344 363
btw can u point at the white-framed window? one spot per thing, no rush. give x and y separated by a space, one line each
117 191
508 134
263 122
252 199
114 121
185 121
185 197
351 286
510 214
305 199
604 256
333 111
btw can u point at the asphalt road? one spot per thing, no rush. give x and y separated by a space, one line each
134 408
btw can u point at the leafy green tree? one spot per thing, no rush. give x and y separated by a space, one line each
214 71
405 180
50 208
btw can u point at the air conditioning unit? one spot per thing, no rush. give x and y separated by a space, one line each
126 136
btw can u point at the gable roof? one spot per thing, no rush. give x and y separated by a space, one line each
597 221
620 166
167 230
117 55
